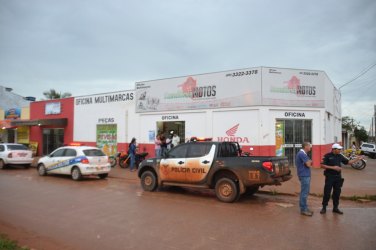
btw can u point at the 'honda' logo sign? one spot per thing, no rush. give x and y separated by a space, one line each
231 136
232 131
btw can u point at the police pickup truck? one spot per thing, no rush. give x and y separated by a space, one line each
214 165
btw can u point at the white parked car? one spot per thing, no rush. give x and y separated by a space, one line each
368 149
77 161
15 154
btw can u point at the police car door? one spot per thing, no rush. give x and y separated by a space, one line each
199 159
53 160
172 167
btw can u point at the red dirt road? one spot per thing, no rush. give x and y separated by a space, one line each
54 212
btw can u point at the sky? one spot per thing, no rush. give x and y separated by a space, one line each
96 46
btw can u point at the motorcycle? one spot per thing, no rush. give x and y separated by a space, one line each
112 160
125 161
359 165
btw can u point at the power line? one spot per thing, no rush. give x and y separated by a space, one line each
359 75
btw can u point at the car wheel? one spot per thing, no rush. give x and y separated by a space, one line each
2 164
226 190
42 171
251 190
76 174
103 176
149 181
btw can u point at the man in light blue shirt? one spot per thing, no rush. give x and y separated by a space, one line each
303 165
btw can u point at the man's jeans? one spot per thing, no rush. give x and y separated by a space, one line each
305 183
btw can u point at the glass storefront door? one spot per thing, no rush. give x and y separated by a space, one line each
52 139
290 134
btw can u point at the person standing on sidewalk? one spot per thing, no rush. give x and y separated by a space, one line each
333 179
303 164
132 153
158 149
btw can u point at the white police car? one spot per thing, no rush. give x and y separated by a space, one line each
77 161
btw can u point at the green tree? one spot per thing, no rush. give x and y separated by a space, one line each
53 94
361 134
349 124
353 127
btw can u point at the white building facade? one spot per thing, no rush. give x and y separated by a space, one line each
271 110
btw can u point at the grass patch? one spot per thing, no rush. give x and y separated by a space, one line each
7 244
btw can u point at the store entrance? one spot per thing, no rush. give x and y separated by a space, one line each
290 134
176 127
52 139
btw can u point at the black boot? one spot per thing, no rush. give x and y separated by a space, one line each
323 210
337 211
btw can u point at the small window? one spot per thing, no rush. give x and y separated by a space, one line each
70 152
228 150
93 152
58 153
178 151
198 150
17 147
2 148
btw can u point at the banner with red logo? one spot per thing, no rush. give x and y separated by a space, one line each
292 87
227 89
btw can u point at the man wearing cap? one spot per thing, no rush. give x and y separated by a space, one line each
303 165
333 179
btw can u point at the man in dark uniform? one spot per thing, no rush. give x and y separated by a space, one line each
333 179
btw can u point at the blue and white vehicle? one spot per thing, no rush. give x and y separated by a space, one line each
77 161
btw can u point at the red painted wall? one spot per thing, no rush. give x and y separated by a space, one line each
318 151
37 111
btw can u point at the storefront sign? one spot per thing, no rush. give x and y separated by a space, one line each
13 113
33 145
106 120
108 98
290 87
107 138
231 136
279 138
207 91
170 117
53 108
295 114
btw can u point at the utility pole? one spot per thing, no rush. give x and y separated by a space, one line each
374 124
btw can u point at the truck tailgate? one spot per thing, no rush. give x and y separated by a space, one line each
281 166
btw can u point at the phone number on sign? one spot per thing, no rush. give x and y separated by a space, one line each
242 73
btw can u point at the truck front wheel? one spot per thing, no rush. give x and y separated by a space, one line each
226 190
149 181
